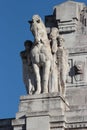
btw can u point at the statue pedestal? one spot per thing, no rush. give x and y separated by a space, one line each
42 112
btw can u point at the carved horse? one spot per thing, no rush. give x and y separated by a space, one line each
40 54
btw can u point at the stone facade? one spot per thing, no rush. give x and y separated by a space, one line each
71 19
49 111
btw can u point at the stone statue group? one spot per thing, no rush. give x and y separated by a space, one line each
45 61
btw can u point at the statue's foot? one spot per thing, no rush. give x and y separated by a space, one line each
45 91
37 92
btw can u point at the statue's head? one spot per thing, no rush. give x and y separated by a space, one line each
54 33
36 18
60 41
28 44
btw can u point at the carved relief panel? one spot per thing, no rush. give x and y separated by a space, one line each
77 70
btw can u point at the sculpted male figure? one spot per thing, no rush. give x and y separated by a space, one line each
28 74
40 54
59 66
53 82
62 64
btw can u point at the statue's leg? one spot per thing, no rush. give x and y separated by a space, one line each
38 79
30 86
59 82
54 75
45 78
63 83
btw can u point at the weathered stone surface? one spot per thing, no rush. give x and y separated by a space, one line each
74 31
19 124
28 73
38 122
40 110
70 18
52 110
45 62
52 103
40 54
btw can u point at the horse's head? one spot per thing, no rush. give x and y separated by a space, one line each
38 29
35 24
35 19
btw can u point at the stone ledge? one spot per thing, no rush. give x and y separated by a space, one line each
78 50
76 125
42 102
57 125
54 119
78 112
37 114
41 96
76 119
18 122
20 115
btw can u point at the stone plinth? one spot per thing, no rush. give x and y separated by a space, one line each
42 111
52 103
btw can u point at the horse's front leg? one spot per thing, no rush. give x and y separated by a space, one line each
38 79
46 70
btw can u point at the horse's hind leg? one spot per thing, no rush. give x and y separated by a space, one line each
38 80
45 78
